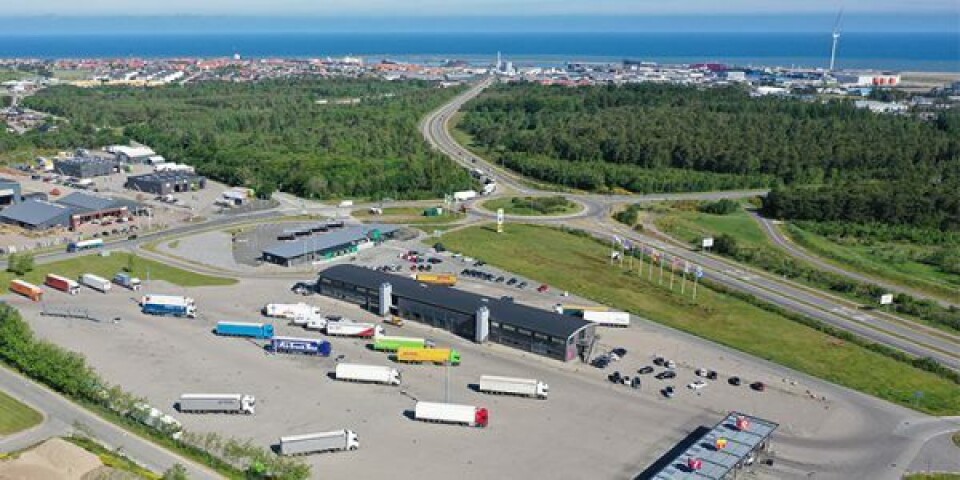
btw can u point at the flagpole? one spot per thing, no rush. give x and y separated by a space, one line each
652 261
661 269
683 281
695 278
671 275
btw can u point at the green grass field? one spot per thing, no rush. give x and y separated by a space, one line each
408 216
691 226
15 416
881 260
107 267
933 476
7 74
580 265
511 208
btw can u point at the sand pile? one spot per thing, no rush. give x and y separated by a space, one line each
55 459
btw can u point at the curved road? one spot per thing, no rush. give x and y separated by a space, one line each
901 334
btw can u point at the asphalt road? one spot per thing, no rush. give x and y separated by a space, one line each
901 334
778 238
61 417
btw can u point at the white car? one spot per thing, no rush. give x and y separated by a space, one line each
699 384
670 364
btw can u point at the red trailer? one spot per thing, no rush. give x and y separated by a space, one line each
63 284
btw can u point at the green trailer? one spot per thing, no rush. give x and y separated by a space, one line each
391 344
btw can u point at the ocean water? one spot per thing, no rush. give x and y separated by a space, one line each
898 51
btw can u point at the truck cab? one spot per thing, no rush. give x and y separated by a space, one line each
542 390
353 441
454 357
248 404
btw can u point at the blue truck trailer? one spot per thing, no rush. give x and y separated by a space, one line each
242 329
304 346
172 306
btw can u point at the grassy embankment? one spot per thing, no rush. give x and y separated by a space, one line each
883 260
933 476
15 416
408 216
111 458
580 265
535 206
108 266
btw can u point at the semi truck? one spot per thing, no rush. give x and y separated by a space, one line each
178 299
355 372
169 305
28 290
610 319
391 344
305 346
319 442
244 329
351 329
63 284
85 245
443 279
290 310
95 282
468 415
464 195
526 387
127 281
217 403
432 355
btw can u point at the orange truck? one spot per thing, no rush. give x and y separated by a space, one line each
444 279
431 355
28 290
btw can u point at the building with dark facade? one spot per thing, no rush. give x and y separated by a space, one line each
86 208
10 192
84 167
466 314
306 246
70 211
165 183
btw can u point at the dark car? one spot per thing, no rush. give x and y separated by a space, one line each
506 298
712 375
522 285
659 361
500 279
667 374
615 377
619 351
758 386
600 362
434 260
735 381
645 370
635 383
667 392
512 281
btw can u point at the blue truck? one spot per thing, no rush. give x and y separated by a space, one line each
242 329
304 346
168 305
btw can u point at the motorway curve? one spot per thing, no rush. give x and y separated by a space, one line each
904 335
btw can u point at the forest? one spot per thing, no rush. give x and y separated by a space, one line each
659 138
290 134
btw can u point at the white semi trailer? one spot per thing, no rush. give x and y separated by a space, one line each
217 403
319 442
526 387
610 319
354 329
95 282
450 413
290 311
355 372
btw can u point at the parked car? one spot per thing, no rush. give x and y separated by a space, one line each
659 361
758 386
635 382
697 385
615 377
543 288
712 375
512 281
667 392
645 370
601 362
434 260
735 381
522 285
619 351
666 374
670 364
500 279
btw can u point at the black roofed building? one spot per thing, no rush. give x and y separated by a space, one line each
165 183
36 215
470 315
305 247
85 167
86 207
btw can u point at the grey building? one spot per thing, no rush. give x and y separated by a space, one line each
84 167
10 192
466 314
37 215
86 207
164 183
306 247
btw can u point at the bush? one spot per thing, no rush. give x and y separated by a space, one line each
20 263
720 207
629 216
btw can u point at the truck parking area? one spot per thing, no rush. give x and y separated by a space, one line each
620 429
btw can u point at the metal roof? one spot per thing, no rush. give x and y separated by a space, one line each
719 462
325 241
87 202
505 312
36 212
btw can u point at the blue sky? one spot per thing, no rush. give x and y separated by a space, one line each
464 7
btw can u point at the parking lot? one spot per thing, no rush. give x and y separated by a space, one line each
618 428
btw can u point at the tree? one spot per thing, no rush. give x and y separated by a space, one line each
20 263
176 472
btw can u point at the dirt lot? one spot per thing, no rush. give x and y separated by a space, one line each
620 430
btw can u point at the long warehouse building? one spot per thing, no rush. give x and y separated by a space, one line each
469 315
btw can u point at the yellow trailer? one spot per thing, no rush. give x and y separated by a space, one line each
445 279
432 355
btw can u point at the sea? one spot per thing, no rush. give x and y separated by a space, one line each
931 52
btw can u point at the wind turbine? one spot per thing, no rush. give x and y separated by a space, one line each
836 39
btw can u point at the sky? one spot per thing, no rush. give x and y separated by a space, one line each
465 7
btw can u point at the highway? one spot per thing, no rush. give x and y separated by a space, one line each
900 334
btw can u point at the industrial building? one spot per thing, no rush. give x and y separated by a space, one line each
326 246
466 314
720 453
10 192
71 211
164 183
130 154
84 167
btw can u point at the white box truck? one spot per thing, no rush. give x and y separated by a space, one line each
217 403
95 282
351 329
355 372
610 319
171 299
468 415
464 195
289 310
526 387
319 442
